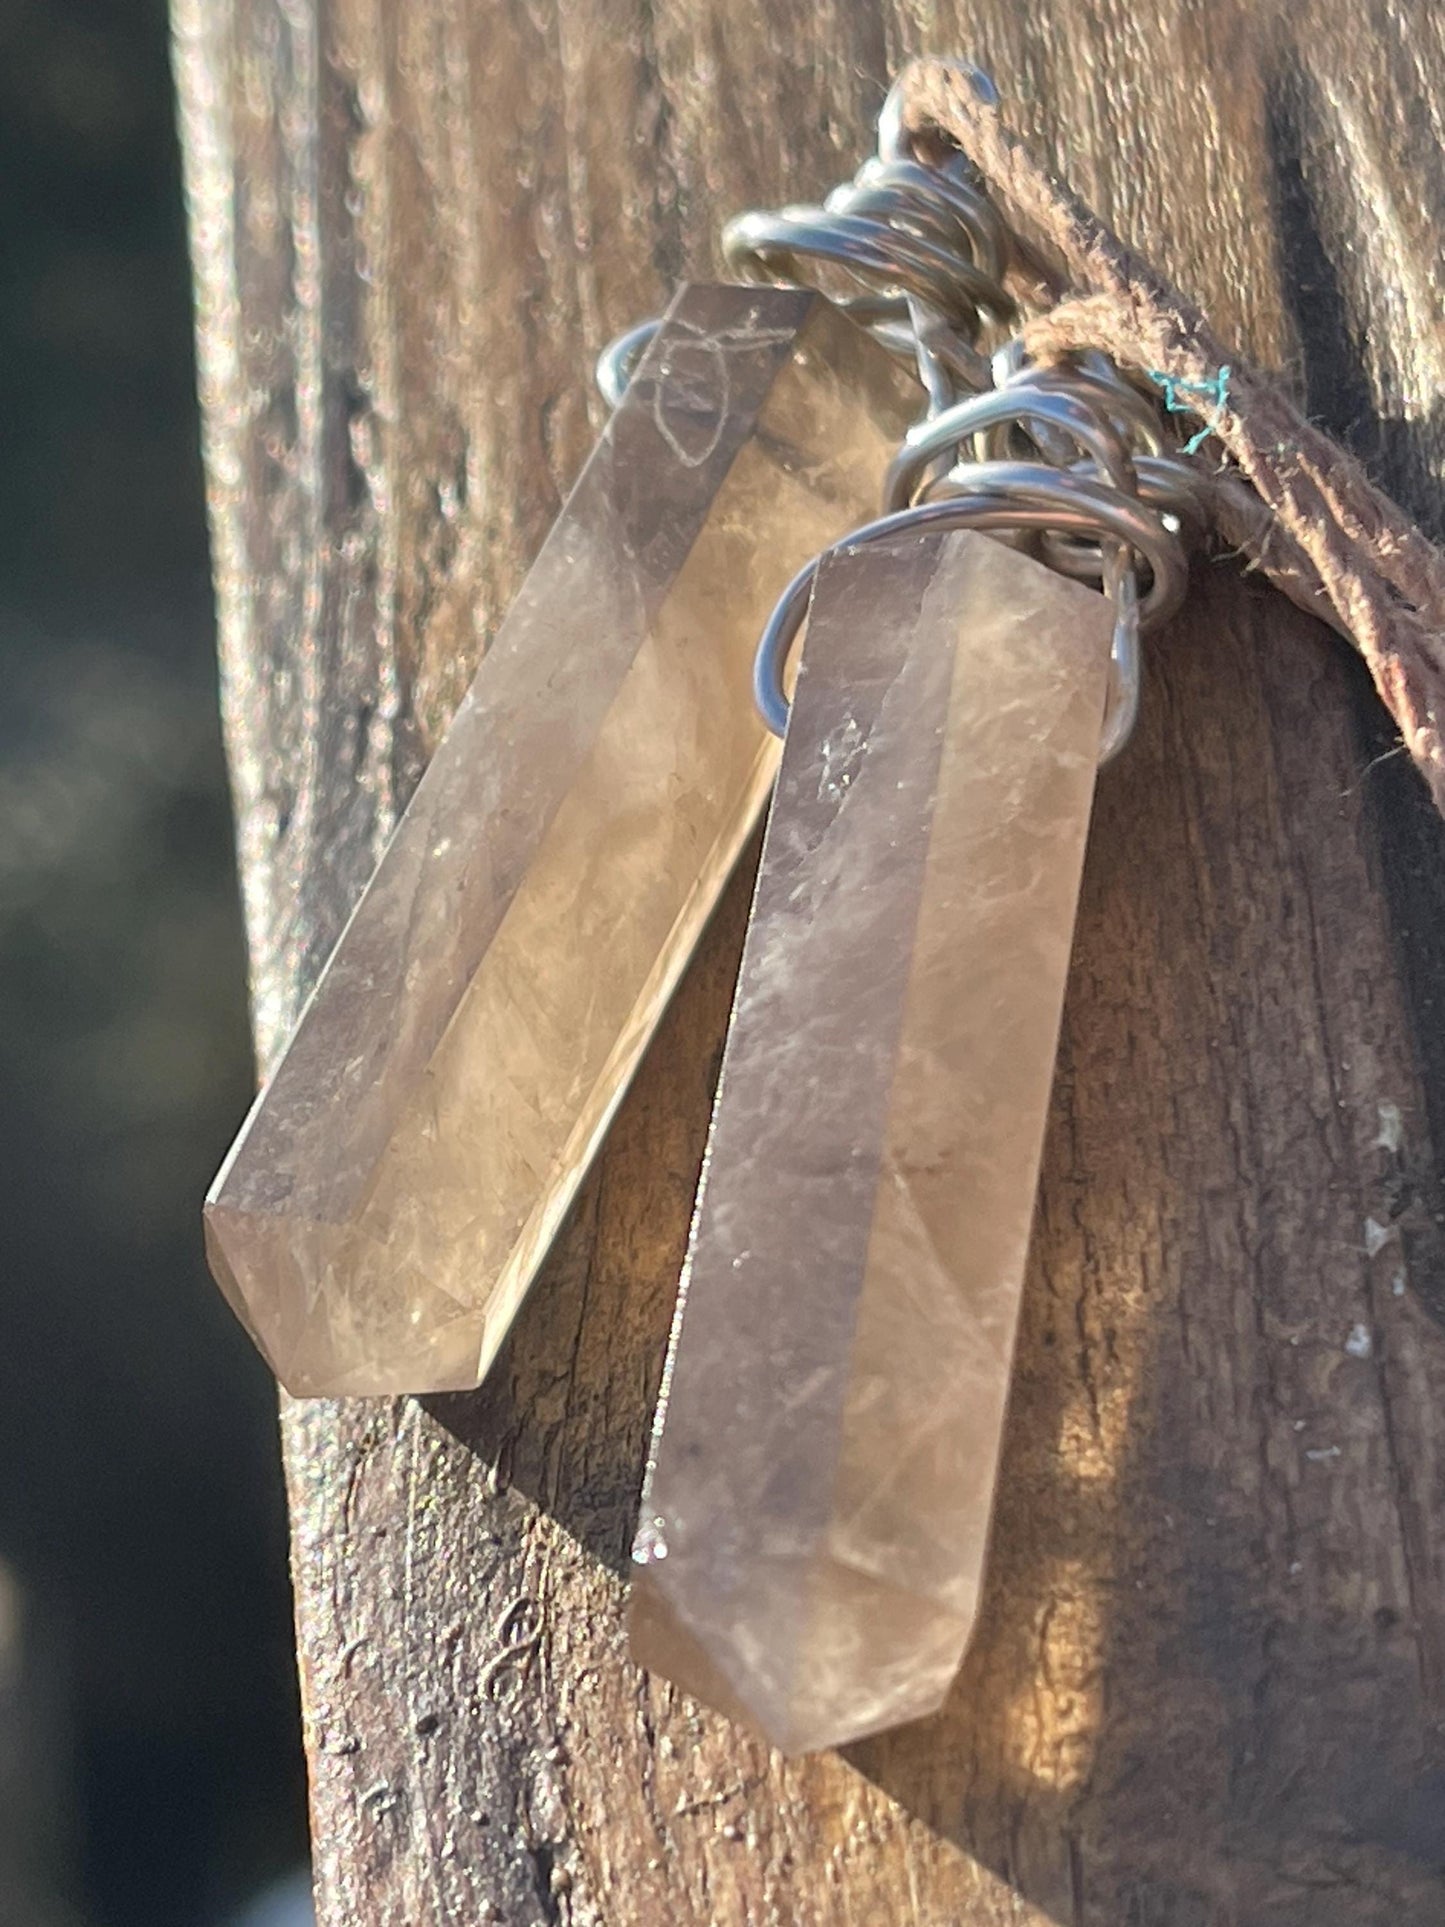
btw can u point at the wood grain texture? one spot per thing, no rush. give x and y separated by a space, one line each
1210 1682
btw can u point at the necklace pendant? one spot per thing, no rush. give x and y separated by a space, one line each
396 1187
828 1434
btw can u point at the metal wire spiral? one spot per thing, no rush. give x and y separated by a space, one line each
1070 463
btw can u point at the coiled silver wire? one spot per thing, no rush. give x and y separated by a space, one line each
1070 463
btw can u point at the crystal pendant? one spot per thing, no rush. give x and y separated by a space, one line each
828 1435
396 1187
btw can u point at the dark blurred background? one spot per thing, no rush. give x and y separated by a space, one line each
150 1769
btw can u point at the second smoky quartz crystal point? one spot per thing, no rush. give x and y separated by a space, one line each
818 1497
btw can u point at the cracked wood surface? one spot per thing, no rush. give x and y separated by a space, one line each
1207 1687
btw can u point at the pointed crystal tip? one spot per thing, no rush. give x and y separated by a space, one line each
807 1652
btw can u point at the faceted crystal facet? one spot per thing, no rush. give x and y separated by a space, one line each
398 1183
818 1500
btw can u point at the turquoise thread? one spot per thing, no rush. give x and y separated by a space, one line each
1192 398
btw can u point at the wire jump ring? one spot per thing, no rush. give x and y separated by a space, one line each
1035 509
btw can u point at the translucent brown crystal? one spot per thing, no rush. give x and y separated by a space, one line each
396 1187
818 1499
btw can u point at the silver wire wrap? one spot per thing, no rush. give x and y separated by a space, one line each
1070 463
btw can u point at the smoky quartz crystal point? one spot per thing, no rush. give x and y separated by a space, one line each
396 1187
818 1498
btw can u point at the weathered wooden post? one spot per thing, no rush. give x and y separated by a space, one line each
1208 1683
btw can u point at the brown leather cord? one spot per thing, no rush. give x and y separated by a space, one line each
1293 501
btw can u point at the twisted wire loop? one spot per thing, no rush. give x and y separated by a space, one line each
1069 462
